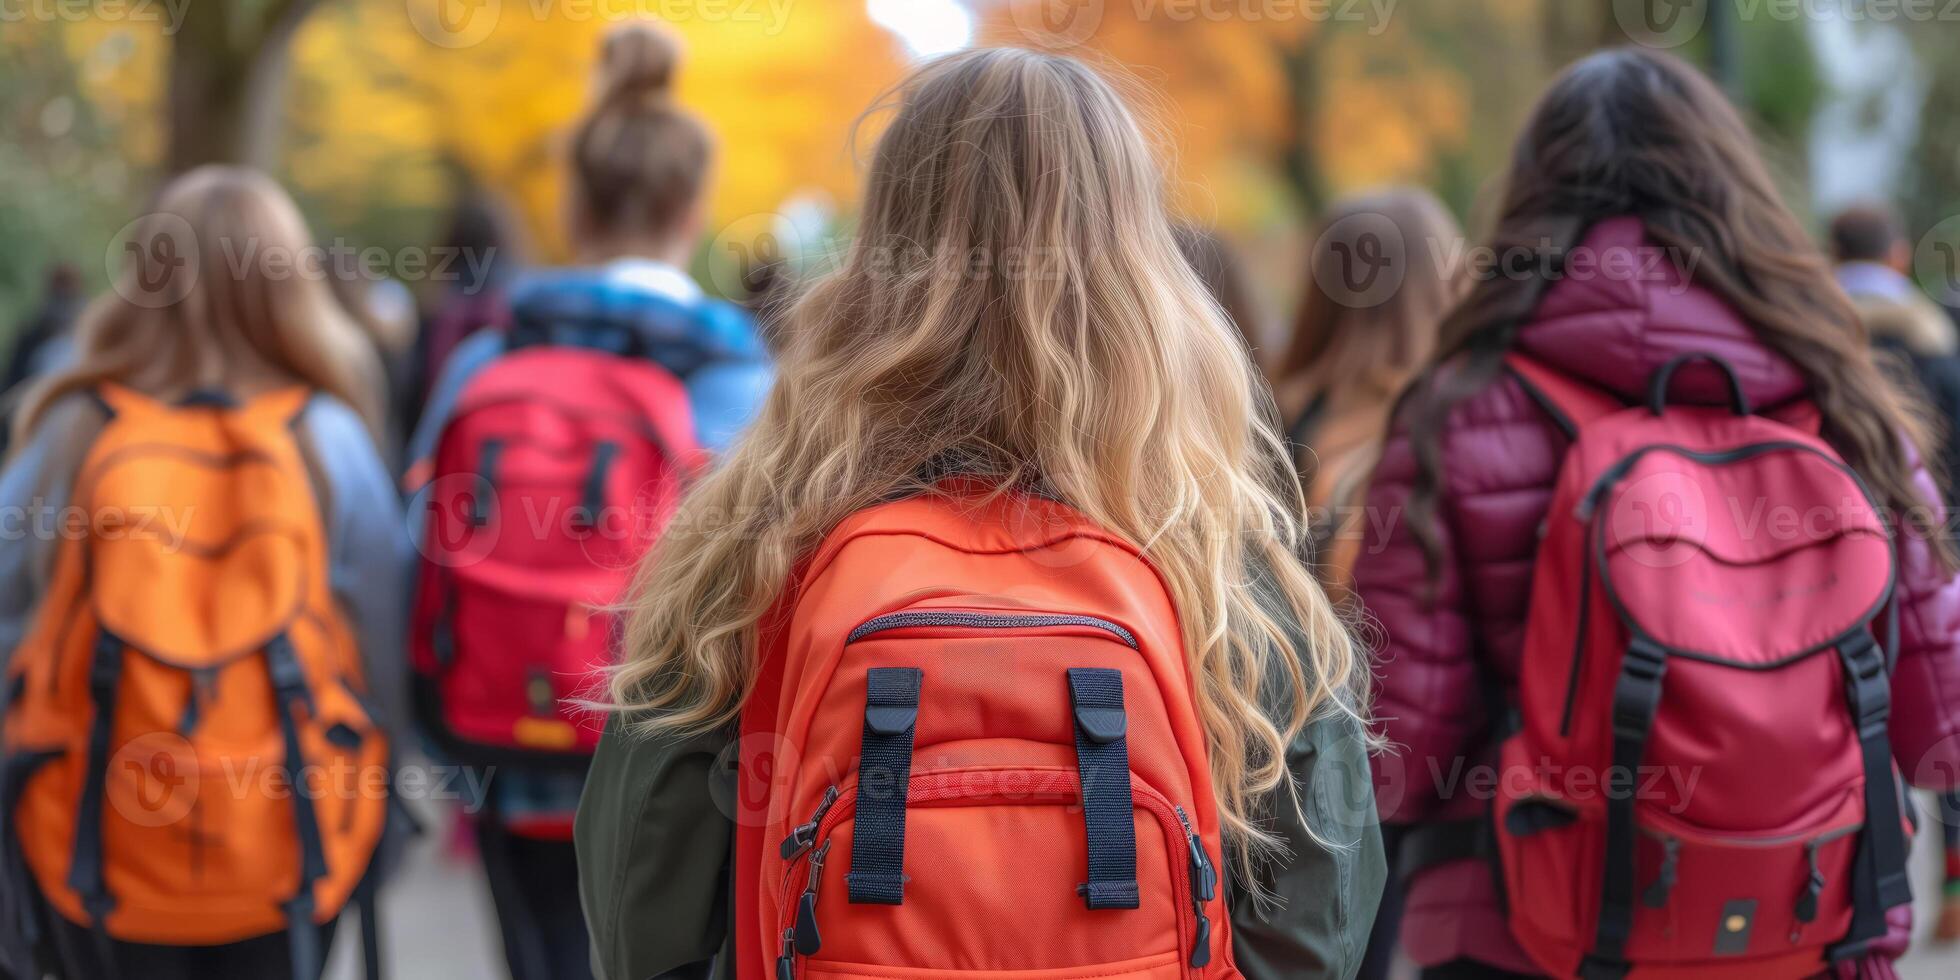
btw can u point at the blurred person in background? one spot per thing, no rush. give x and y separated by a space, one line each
42 339
255 386
481 242
638 174
1224 277
1874 259
36 338
1630 156
385 311
1352 352
1001 408
1348 358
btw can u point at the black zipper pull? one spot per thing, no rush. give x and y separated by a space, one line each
804 836
808 939
1813 888
1663 885
1204 885
786 963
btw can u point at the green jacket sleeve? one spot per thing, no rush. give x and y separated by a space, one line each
1325 894
654 846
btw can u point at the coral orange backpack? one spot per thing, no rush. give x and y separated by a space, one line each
186 663
982 757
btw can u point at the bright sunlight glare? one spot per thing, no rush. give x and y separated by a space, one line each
928 27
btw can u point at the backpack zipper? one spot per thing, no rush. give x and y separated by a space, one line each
1195 887
1578 640
980 620
1204 884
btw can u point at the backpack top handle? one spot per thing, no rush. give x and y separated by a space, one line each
1657 388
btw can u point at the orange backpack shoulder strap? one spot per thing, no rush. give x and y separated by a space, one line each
1570 402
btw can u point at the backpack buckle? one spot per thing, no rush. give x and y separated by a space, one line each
1102 725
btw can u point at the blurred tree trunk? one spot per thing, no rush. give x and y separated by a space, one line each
1299 161
226 77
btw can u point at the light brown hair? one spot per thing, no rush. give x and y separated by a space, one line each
195 307
639 163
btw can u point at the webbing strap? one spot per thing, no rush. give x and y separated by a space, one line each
891 714
1636 697
85 872
1879 880
293 697
594 493
1102 753
484 497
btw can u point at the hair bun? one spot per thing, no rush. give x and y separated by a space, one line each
636 64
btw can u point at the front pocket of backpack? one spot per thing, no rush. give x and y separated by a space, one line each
517 659
1157 966
1708 895
992 853
1551 856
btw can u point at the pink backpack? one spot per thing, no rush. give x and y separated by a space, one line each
559 468
1702 784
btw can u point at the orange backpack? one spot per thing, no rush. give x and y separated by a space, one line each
982 756
186 660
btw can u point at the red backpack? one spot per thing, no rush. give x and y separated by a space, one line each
1702 783
979 754
558 469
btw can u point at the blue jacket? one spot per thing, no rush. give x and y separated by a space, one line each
712 346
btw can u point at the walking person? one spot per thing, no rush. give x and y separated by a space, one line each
551 453
1920 346
1657 327
211 581
1353 350
994 617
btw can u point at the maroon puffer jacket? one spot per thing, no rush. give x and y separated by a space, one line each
1446 651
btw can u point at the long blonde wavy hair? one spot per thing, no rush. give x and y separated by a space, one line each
1014 308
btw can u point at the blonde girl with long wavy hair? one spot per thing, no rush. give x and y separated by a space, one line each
1013 310
221 295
